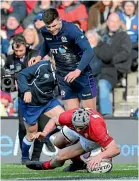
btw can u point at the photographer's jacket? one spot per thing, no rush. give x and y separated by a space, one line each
38 79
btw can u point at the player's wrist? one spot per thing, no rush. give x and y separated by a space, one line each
78 70
45 133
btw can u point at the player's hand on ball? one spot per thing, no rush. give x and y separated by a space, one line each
93 162
104 166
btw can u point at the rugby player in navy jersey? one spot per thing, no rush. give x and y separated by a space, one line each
72 53
36 84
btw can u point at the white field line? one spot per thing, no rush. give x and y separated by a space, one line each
87 179
36 173
33 171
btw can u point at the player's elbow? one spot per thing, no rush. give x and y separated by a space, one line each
90 52
117 150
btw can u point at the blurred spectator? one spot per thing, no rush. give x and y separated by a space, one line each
30 5
115 52
4 42
95 64
88 4
3 60
31 37
39 7
12 28
3 112
100 11
38 23
117 5
130 19
5 100
10 6
98 14
73 11
136 11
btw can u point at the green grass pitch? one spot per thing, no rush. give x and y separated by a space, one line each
20 172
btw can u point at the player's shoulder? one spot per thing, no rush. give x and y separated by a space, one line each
44 30
94 113
67 24
71 28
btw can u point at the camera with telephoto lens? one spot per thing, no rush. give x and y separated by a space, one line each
9 77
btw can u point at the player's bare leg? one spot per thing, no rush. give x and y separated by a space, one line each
58 161
71 104
55 112
28 141
89 103
31 131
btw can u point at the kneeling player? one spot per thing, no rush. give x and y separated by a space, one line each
86 130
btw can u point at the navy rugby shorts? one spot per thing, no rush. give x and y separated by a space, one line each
31 113
82 87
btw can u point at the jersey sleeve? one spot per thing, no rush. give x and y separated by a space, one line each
44 47
80 39
100 133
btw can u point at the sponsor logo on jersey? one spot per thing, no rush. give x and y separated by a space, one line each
64 39
48 38
46 76
62 93
54 51
62 49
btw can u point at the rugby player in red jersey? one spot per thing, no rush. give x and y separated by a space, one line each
85 130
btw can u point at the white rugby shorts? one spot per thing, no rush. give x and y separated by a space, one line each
73 137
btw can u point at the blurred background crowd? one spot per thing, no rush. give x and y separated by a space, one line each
111 63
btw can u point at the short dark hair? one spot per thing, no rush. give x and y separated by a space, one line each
18 40
50 15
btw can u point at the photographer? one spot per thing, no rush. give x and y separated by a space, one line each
15 63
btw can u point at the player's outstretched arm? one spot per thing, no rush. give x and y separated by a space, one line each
50 126
111 150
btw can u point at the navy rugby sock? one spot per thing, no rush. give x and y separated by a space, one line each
25 148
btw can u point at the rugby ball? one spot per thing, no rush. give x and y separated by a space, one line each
104 167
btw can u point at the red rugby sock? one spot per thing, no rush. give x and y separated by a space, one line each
47 165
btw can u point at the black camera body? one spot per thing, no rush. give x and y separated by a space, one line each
8 82
9 77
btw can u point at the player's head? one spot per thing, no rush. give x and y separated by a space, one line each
52 21
80 118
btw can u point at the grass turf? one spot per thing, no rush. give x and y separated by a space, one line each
119 171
